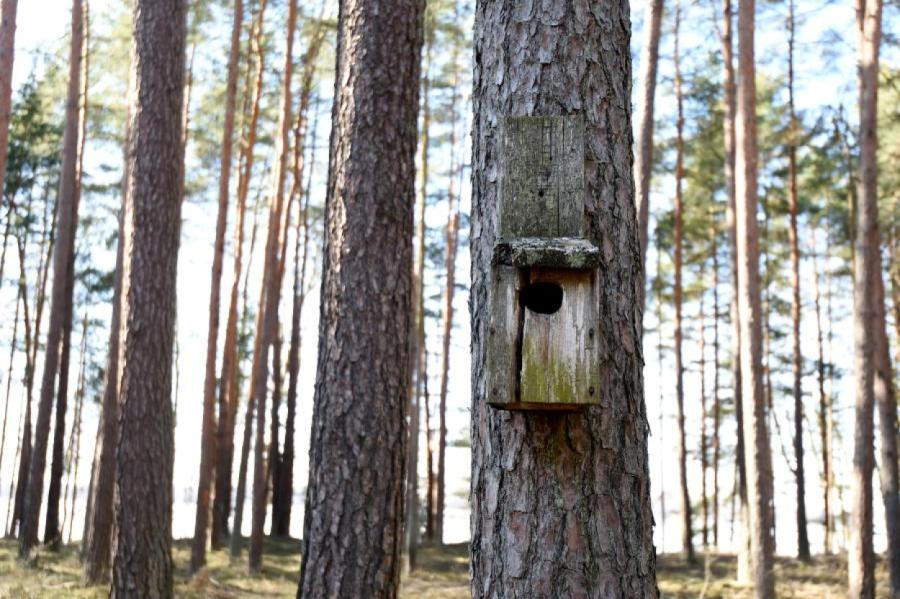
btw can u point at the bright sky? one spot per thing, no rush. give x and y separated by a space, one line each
43 25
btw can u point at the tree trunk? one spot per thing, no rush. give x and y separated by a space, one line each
207 437
229 381
546 486
281 516
53 530
704 413
450 288
8 10
643 157
97 537
759 460
743 550
234 547
270 292
799 474
352 536
12 356
142 557
717 406
866 268
74 440
687 543
61 293
823 404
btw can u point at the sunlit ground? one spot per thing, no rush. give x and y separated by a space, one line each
442 574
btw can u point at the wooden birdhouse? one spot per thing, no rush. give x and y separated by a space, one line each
542 351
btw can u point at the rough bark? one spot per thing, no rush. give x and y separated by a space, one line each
866 267
797 363
142 558
270 294
208 437
8 10
61 292
756 440
354 507
561 502
643 157
687 543
229 381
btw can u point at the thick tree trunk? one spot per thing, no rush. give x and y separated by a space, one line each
270 294
643 157
687 542
885 394
142 558
799 474
229 381
8 10
352 536
759 460
61 294
866 268
208 437
557 497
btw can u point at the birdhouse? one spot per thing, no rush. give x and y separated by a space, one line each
544 302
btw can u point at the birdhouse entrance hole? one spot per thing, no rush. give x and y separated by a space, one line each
543 298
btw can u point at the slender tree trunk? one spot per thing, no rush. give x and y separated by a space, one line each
643 157
823 403
886 401
31 344
24 446
717 406
450 288
799 474
417 345
8 10
759 458
369 231
241 491
229 381
704 414
208 437
730 89
270 292
12 356
97 538
61 294
52 531
687 542
543 485
75 439
142 556
866 268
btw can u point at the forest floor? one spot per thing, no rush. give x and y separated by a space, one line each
442 574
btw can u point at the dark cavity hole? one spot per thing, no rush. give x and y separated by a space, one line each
543 298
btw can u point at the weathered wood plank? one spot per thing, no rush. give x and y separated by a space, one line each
502 371
541 179
549 252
